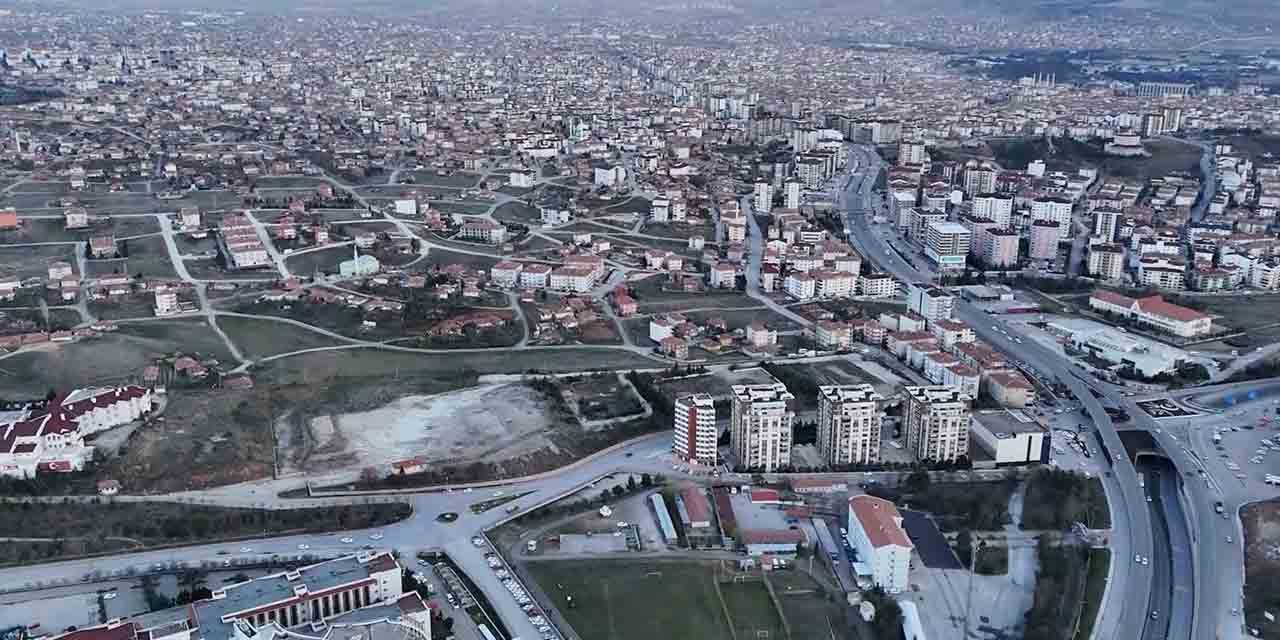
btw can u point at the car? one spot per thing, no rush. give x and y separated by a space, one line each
367 547
477 541
304 547
1229 540
348 540
1137 558
497 494
1155 614
246 550
108 595
376 536
223 552
1146 561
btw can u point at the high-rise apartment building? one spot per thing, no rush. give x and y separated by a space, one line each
1053 210
792 194
997 207
694 433
936 420
1106 224
947 245
763 197
760 428
849 421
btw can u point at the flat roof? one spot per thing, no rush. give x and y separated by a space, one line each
1008 422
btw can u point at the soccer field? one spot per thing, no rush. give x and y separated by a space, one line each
626 600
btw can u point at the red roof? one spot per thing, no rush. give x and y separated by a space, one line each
1156 305
696 505
879 519
1112 298
774 536
764 495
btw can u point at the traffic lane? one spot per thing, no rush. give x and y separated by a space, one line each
1182 605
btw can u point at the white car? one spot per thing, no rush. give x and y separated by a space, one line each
108 595
376 536
304 547
246 550
348 540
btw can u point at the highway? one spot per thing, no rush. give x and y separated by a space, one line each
1130 583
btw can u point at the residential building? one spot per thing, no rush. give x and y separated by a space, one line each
1106 261
877 285
1000 248
240 243
50 439
1044 235
166 303
849 421
723 276
760 429
936 421
947 245
1106 223
483 230
506 274
1053 210
535 276
883 548
792 189
996 207
763 197
833 335
800 286
695 432
930 302
1010 389
102 246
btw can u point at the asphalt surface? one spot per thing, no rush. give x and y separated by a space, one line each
1132 530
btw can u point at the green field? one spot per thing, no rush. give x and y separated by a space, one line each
752 610
258 338
370 361
1095 585
636 600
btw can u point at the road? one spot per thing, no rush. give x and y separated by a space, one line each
421 532
1130 584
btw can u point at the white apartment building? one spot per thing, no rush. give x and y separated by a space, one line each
760 426
884 549
947 245
535 276
506 274
877 285
911 152
931 302
166 303
997 207
792 194
1053 210
695 433
763 197
800 286
849 421
936 421
1106 224
1106 261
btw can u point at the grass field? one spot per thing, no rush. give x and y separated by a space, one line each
635 600
322 260
751 610
1257 315
148 256
27 262
431 178
190 336
517 212
1094 586
54 230
806 608
359 362
257 338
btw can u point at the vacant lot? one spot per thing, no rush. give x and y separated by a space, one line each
27 262
147 256
604 396
634 600
257 338
803 380
54 230
318 261
442 257
460 426
90 528
1262 565
1257 315
1166 156
372 361
110 359
517 212
431 178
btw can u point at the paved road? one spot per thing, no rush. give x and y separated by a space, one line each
1131 522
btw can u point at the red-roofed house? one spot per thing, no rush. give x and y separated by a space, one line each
884 550
697 510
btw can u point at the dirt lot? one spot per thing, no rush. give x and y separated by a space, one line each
208 438
604 397
1262 565
1258 315
490 421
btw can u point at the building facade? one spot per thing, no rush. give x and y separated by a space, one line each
695 433
761 426
849 422
936 420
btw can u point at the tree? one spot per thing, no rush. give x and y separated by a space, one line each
618 491
917 482
646 480
631 483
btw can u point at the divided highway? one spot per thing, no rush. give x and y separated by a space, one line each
1129 594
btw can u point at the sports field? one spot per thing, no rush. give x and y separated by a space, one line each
627 600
